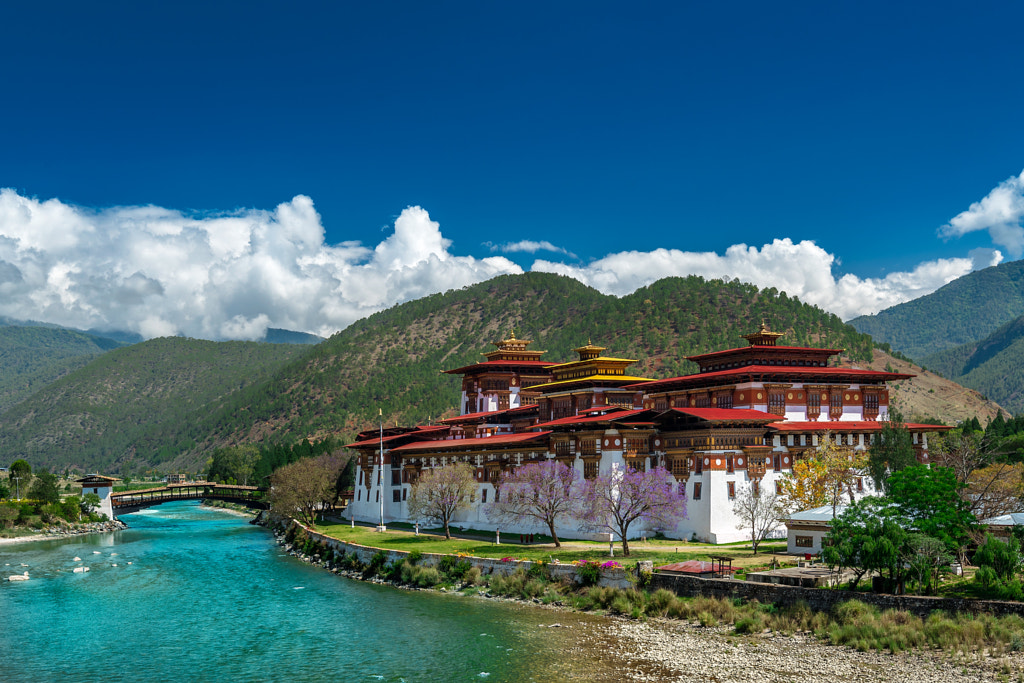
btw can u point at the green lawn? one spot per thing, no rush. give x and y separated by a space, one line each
481 544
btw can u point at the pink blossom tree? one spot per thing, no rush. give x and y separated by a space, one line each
615 500
441 492
543 493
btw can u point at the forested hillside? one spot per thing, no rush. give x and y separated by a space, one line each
31 357
994 366
963 312
394 360
169 403
138 403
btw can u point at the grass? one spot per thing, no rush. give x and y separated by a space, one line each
481 544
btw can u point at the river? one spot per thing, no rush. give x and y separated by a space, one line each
197 594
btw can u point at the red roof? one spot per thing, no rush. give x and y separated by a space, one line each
443 444
850 426
787 370
726 414
469 417
487 364
421 429
576 419
759 349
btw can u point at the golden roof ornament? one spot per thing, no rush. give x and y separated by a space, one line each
763 336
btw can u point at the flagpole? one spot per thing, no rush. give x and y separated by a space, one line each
380 472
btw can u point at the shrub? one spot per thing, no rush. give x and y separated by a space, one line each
472 577
588 573
376 564
660 602
425 577
414 557
755 623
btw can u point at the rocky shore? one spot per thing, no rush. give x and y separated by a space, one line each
716 654
69 530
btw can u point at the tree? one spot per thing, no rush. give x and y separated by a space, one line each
1003 558
615 500
926 557
892 450
233 464
302 487
441 492
758 512
805 487
842 467
45 489
961 450
994 490
929 497
21 475
542 492
869 536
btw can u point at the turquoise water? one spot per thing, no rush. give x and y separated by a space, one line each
201 595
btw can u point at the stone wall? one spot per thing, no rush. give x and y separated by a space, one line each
824 600
609 577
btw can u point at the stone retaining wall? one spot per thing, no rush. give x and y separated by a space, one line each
609 577
824 600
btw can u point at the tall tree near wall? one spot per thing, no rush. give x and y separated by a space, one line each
538 493
759 513
441 492
614 501
892 450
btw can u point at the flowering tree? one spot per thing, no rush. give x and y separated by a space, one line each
842 467
538 493
441 492
615 500
804 488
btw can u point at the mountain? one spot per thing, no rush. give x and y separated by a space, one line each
994 366
277 336
31 357
965 311
393 361
140 401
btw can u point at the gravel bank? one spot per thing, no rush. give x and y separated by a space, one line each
691 652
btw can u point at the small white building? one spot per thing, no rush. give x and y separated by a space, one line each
806 530
102 486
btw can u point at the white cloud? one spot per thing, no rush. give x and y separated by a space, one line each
159 272
529 247
1001 212
803 270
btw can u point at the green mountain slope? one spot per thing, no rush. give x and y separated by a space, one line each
994 366
394 360
32 357
963 312
141 401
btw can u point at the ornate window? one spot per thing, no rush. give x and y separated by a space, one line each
805 541
696 490
870 405
777 402
813 403
835 404
732 488
590 469
724 400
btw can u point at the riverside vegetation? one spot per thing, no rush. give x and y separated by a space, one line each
851 623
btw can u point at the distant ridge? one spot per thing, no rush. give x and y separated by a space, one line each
966 310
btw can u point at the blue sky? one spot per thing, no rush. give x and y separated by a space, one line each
549 136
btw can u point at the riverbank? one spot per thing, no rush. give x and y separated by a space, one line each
738 646
67 532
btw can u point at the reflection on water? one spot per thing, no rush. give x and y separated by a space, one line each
199 594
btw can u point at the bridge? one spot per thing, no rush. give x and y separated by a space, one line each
125 502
